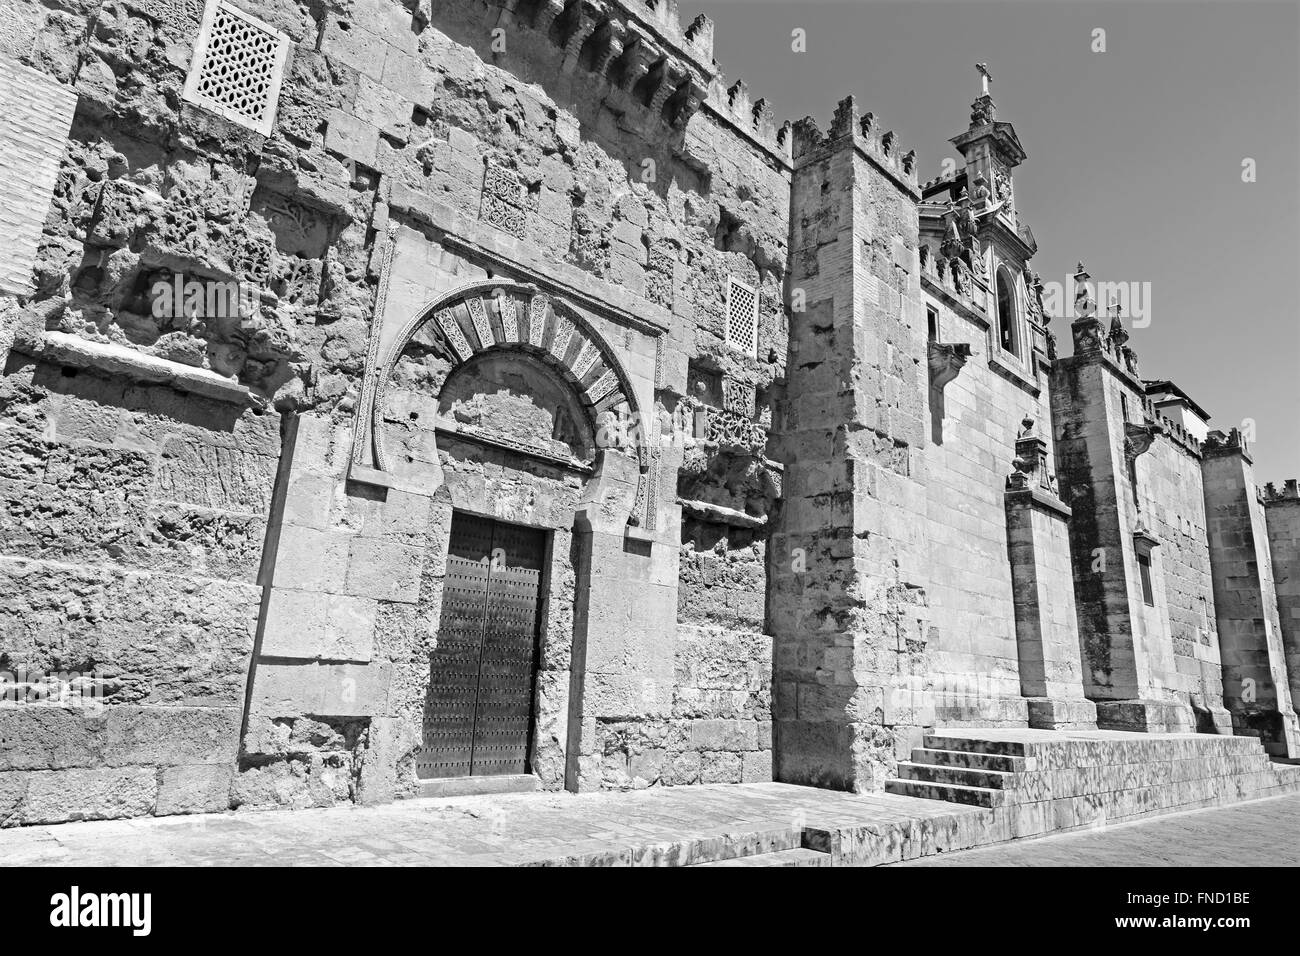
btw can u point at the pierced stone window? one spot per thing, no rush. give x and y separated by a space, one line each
742 317
238 67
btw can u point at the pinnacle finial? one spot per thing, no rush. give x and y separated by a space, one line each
985 77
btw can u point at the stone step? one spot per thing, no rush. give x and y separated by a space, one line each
1007 748
952 792
799 856
967 758
473 786
966 776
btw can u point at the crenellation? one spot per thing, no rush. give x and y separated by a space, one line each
754 118
765 439
864 131
1288 492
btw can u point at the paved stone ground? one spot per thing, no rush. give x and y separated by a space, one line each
1258 833
524 828
495 830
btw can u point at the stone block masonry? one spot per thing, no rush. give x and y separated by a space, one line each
1282 515
1102 447
768 432
133 519
848 613
1256 685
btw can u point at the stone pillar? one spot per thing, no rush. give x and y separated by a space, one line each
1282 513
624 621
1051 673
1255 685
1127 651
847 601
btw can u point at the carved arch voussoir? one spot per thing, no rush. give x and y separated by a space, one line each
503 314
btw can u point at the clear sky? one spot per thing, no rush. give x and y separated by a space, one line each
1135 155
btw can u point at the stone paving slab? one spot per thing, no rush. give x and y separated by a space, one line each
660 826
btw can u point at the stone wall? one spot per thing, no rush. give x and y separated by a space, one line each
495 258
1103 449
410 155
130 543
847 600
1282 515
1256 685
972 623
1174 498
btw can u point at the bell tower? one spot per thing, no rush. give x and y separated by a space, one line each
992 151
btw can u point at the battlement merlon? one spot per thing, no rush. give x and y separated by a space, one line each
1289 491
865 133
1220 445
638 47
1173 429
663 18
755 119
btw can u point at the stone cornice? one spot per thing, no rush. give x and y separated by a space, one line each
963 307
1039 500
719 514
117 360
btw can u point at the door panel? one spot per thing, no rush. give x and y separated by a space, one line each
478 717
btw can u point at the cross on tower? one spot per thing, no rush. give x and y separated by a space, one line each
985 76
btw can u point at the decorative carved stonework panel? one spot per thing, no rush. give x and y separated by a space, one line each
502 204
738 397
456 338
733 431
537 319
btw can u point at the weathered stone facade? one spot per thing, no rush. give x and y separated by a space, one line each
811 478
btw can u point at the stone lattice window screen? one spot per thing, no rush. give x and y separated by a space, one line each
742 316
238 67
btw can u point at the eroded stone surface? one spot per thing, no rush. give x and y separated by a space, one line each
496 282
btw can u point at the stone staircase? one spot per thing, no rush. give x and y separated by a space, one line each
1038 781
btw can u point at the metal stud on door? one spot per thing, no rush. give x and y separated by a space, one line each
478 716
